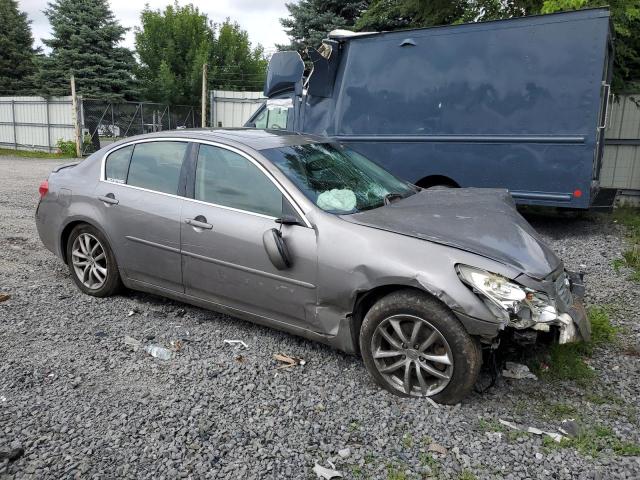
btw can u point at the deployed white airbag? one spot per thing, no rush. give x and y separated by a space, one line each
337 200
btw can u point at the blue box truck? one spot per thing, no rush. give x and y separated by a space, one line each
520 104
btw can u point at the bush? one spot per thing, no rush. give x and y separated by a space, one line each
67 147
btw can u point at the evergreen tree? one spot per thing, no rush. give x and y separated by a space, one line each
311 20
17 56
85 44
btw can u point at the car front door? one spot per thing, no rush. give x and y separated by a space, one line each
234 201
138 196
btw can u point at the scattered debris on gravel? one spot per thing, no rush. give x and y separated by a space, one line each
77 402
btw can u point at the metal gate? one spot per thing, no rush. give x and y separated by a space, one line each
105 122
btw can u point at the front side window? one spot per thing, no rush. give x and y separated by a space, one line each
117 165
226 178
273 117
156 166
336 178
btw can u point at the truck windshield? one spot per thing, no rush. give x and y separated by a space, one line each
336 178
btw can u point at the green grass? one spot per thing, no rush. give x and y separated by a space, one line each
395 472
567 362
31 154
630 218
467 475
427 460
593 441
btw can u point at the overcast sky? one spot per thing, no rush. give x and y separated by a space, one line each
258 17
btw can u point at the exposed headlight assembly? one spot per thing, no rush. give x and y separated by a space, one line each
500 292
521 306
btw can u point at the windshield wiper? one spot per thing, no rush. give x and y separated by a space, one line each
390 197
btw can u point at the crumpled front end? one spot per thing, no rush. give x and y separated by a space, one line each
560 312
529 309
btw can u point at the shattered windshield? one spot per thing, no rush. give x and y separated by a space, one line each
336 178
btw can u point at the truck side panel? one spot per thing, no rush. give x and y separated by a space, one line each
510 104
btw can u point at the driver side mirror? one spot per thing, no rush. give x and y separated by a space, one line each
276 248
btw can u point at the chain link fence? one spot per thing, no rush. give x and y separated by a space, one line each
105 122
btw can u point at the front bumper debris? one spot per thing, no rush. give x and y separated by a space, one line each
562 315
576 326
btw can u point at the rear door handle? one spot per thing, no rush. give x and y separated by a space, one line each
109 198
199 222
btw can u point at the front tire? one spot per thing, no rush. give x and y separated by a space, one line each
91 262
413 346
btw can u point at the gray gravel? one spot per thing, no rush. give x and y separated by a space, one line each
83 404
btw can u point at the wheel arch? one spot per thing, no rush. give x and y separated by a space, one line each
68 228
366 299
433 180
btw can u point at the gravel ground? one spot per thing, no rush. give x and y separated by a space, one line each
82 404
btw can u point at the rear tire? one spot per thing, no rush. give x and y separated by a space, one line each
413 346
91 262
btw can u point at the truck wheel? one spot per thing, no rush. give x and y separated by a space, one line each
413 346
439 187
91 262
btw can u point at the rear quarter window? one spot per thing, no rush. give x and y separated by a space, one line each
117 165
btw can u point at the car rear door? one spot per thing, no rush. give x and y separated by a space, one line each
233 202
140 202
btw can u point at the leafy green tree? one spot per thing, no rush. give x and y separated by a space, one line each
396 14
85 44
17 65
626 23
172 46
311 20
234 63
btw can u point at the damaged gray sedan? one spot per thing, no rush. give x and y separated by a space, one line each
312 238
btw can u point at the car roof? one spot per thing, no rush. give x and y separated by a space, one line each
256 139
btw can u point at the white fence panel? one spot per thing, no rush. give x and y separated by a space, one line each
35 123
233 109
621 162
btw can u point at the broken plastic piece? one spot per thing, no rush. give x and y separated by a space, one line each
556 437
132 342
517 371
288 361
159 352
337 200
326 473
237 342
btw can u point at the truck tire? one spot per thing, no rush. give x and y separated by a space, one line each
413 346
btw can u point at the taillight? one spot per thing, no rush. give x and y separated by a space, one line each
44 188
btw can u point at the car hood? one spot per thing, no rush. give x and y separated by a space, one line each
478 220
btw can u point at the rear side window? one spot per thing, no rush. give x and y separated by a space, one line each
156 166
226 178
117 165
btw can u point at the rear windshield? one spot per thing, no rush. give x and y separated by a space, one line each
336 178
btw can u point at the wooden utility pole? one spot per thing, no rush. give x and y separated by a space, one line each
204 95
76 117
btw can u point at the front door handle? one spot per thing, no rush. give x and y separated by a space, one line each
109 198
199 222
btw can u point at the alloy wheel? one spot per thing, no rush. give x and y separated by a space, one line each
89 261
412 355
